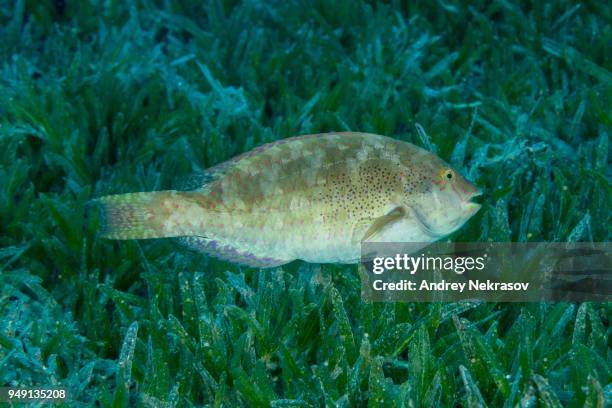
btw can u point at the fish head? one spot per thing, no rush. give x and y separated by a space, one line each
439 197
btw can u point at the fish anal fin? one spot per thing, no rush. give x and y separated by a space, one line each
226 252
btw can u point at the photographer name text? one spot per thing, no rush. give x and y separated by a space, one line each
470 285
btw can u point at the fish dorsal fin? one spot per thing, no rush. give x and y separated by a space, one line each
198 180
377 225
228 252
260 155
195 181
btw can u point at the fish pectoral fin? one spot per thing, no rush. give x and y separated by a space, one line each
377 225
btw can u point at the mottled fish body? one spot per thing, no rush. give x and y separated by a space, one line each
314 197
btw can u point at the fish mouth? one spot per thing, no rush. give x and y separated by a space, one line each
471 206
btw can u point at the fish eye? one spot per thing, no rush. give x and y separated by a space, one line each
448 175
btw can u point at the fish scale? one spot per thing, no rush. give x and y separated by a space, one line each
313 197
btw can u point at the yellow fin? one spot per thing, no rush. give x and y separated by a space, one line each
378 224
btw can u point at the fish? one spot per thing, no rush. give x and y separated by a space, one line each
315 198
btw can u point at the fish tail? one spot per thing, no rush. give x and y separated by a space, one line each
138 215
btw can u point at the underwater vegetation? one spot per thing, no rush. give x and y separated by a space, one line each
104 97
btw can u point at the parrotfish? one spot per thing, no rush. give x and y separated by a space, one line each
316 198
